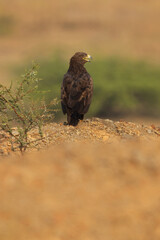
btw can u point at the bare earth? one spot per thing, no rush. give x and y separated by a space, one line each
97 181
95 130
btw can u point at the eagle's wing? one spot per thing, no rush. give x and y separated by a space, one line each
65 90
76 94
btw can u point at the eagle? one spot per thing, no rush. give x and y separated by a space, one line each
76 89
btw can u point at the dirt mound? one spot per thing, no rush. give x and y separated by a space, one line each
94 130
100 180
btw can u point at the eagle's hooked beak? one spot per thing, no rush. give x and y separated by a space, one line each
88 58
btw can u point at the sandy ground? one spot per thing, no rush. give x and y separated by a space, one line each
101 189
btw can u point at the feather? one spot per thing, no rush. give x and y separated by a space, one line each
76 89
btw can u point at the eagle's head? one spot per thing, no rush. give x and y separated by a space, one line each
80 58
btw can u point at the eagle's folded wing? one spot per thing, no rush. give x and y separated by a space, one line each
77 94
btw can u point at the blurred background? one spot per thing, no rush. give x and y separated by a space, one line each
123 38
80 191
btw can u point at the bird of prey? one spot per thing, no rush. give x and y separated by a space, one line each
76 89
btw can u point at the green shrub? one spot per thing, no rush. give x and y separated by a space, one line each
120 86
19 108
123 87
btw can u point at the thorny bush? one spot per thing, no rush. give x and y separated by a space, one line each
19 107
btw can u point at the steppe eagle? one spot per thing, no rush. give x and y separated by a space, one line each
76 89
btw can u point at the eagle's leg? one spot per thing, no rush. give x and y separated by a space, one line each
73 119
81 116
68 118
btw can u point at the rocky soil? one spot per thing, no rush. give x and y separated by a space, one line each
97 181
88 131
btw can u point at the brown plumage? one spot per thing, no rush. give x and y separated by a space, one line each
77 89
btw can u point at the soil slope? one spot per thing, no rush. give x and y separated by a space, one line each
100 180
88 131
